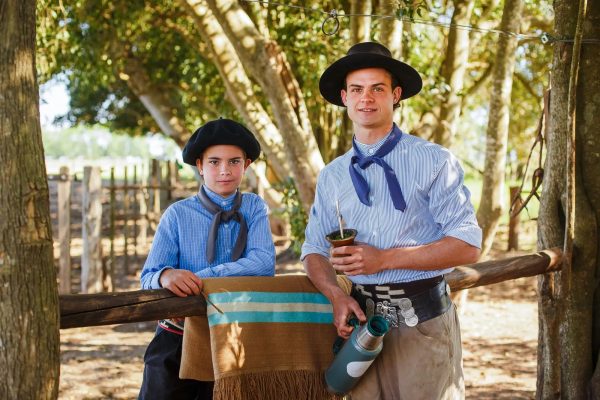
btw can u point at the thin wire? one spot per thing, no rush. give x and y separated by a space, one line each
544 37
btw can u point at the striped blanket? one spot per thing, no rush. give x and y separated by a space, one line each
273 340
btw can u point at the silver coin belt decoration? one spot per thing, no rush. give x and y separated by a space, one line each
395 313
399 307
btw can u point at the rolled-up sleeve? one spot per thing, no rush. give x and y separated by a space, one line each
450 203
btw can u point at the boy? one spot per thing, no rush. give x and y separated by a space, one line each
218 232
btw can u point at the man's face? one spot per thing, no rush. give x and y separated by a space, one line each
369 98
222 167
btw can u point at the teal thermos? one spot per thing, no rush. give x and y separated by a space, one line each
356 355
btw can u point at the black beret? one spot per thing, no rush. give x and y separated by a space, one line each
220 131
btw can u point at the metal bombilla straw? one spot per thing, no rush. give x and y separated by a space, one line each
339 217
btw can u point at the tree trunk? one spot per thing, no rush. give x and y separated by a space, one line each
360 27
266 63
391 29
155 100
29 336
239 87
569 315
492 191
453 73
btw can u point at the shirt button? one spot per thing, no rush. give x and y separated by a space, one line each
372 198
371 151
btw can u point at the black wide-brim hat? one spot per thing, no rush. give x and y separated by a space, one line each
220 131
368 55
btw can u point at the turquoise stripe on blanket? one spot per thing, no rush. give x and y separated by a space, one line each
268 297
268 307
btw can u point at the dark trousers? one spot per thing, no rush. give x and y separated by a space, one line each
161 372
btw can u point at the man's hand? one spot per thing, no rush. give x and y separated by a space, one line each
361 259
344 307
181 282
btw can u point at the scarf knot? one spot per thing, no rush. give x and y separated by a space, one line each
360 184
220 215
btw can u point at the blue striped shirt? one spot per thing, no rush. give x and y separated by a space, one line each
437 205
180 241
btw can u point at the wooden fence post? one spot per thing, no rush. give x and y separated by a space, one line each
170 183
143 207
125 221
64 231
156 182
136 214
514 221
113 209
92 279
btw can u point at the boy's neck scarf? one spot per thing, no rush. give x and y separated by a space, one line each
220 215
360 184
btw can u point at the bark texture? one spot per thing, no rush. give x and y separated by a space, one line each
391 29
156 101
453 73
569 334
360 26
492 192
29 338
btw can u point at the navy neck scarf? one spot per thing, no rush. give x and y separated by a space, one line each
359 182
219 215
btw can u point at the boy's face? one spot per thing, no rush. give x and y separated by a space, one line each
223 167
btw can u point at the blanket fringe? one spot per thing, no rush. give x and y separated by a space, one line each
274 385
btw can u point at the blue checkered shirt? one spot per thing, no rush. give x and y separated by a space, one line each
180 241
437 205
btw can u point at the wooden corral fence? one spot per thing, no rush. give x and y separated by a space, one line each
147 305
122 210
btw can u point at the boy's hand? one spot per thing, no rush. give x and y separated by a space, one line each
181 282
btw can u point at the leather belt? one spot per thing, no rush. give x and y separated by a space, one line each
397 306
171 326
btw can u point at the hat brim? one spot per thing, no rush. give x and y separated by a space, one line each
332 80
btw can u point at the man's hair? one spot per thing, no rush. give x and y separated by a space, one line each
395 84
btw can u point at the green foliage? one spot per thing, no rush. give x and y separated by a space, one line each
293 212
88 41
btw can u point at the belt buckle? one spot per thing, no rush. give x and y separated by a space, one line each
387 311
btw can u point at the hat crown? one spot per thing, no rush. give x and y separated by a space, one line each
370 48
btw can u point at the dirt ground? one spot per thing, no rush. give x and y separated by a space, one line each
499 334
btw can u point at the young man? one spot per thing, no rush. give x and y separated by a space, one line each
218 232
406 198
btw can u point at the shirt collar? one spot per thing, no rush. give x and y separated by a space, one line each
372 148
223 202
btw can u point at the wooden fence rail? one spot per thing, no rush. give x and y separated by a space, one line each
79 310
